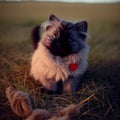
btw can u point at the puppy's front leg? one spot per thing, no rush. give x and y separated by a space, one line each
50 85
71 85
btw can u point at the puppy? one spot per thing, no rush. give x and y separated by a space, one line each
60 57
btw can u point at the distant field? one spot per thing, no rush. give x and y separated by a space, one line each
33 11
102 79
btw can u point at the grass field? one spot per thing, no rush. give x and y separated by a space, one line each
100 92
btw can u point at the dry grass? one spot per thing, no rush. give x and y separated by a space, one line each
98 97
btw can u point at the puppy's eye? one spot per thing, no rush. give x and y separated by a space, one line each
55 34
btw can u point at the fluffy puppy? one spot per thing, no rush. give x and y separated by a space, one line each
60 57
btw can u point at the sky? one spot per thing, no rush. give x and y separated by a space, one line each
86 1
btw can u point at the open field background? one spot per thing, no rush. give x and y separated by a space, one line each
99 94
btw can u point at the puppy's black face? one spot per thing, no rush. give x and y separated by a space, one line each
67 38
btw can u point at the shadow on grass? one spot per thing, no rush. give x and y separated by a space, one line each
107 73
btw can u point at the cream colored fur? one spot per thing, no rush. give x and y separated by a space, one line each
49 69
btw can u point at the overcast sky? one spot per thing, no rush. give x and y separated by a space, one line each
88 1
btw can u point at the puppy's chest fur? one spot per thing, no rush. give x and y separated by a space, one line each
46 66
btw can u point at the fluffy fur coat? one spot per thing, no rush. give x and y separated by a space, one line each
49 69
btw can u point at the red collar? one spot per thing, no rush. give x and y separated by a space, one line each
73 66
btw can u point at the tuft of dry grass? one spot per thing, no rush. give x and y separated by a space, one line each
98 97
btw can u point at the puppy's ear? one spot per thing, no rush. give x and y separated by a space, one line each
35 36
53 18
82 28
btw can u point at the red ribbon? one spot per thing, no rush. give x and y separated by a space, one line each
73 66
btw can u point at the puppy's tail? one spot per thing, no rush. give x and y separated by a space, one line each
35 36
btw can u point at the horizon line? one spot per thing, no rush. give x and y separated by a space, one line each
65 1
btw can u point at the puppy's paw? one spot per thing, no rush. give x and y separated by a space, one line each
50 85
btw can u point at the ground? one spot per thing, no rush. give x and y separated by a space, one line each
100 91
